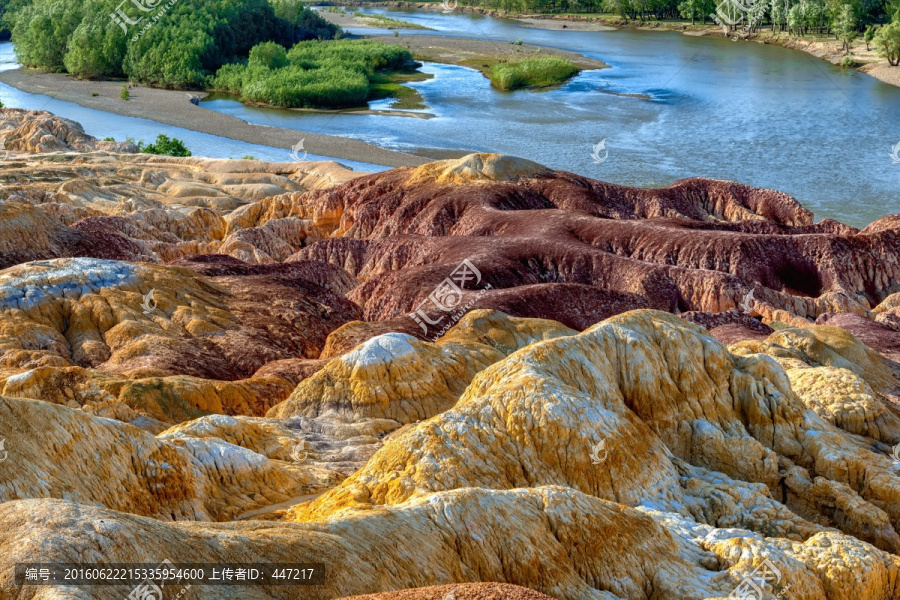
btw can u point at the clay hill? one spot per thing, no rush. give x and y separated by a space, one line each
479 379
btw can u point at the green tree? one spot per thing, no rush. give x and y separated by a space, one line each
869 35
795 20
844 26
173 46
124 94
693 9
42 32
9 9
95 50
307 23
887 42
779 13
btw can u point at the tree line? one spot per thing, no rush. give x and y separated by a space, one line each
877 21
177 44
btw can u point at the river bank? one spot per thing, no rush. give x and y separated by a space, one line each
176 108
179 108
479 54
823 47
466 52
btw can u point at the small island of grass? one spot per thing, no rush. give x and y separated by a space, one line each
384 22
321 74
542 71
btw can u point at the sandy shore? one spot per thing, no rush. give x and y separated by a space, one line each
348 19
559 24
467 51
175 108
471 53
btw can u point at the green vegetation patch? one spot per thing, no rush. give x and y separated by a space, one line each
389 84
317 74
165 145
387 22
178 44
531 72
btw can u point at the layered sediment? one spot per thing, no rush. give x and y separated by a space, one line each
478 378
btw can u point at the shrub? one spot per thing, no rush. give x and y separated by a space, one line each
869 35
887 42
537 72
165 145
848 62
124 94
269 55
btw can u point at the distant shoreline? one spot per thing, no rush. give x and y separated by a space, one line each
867 60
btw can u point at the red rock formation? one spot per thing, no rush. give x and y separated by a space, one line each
697 245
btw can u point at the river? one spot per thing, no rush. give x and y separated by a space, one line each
763 115
759 114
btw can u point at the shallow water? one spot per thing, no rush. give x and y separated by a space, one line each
758 114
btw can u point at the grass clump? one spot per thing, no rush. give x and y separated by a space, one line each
531 72
165 145
389 84
314 74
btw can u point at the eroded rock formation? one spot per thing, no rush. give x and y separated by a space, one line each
429 379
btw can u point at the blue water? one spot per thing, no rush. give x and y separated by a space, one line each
759 114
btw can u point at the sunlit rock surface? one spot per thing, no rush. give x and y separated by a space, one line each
208 361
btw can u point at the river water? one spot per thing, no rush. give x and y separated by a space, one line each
749 112
745 111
